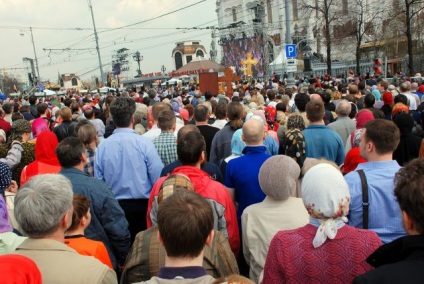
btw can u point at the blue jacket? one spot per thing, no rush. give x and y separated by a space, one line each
108 223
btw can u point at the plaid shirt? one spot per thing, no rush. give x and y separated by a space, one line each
89 167
166 145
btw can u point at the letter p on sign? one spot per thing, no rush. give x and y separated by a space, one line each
291 50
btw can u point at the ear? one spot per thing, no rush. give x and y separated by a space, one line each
409 224
160 239
242 138
83 158
202 157
67 219
209 239
264 136
174 127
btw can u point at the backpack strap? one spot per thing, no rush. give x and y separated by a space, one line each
365 202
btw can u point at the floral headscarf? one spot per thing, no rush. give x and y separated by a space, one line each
271 117
327 203
294 145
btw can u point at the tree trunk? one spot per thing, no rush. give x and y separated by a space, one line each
358 57
409 38
327 35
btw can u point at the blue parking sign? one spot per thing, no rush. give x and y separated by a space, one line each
291 50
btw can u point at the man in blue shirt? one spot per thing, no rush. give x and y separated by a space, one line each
241 177
321 141
379 140
129 164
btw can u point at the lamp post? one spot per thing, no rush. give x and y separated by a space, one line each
35 53
163 68
138 58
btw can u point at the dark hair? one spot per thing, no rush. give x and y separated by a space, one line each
185 220
201 113
189 148
24 109
81 205
271 95
87 133
41 108
301 100
32 100
186 129
281 107
67 102
16 116
311 89
369 100
221 111
234 114
166 120
409 191
89 113
69 152
208 95
384 134
315 110
401 98
8 108
122 110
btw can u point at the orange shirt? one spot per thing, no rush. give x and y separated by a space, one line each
89 247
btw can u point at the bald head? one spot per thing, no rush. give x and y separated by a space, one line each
186 129
316 97
253 132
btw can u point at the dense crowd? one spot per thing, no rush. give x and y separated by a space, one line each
319 182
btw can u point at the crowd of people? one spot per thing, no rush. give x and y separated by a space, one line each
320 182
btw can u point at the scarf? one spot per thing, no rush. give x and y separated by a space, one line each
327 203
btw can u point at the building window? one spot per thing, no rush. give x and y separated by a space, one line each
199 53
189 58
178 60
269 11
74 81
345 7
234 11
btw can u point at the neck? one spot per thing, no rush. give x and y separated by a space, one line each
80 167
380 158
184 262
77 231
56 236
321 122
201 122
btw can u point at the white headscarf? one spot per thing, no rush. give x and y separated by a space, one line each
326 196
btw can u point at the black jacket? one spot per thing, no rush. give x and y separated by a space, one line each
65 129
401 261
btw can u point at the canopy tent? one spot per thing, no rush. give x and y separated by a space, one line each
279 64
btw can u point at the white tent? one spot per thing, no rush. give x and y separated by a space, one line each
279 63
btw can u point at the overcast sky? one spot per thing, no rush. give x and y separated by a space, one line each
55 22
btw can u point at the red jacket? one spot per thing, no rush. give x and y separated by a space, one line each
214 192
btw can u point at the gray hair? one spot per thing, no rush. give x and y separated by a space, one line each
343 108
208 105
41 204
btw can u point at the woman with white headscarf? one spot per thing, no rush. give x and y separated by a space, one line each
326 250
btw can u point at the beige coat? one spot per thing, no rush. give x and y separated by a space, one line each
60 264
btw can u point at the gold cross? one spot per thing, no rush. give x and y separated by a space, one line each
247 64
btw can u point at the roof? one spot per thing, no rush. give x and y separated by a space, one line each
201 64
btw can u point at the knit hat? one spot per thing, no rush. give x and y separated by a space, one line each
388 98
19 127
172 184
363 117
327 203
4 217
275 184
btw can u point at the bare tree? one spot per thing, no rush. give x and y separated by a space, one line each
411 9
324 9
366 15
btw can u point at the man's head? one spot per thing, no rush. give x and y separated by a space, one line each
66 114
42 108
404 87
221 111
33 100
122 111
315 111
253 132
201 113
383 86
409 192
8 108
191 148
166 121
158 108
369 100
343 108
44 205
87 134
89 113
70 152
353 89
185 223
301 100
379 138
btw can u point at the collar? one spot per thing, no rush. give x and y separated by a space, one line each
310 126
254 149
398 250
43 244
72 171
124 130
377 165
188 272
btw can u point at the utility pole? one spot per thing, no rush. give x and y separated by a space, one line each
290 79
97 42
35 55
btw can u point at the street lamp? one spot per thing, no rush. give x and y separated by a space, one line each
35 53
138 58
163 68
